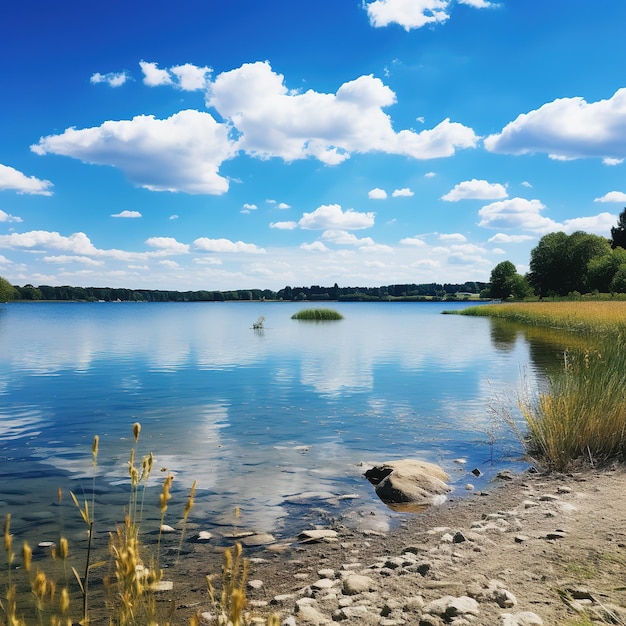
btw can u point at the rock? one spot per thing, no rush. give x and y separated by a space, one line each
255 584
505 475
357 583
477 472
165 528
310 615
409 481
449 607
557 534
318 534
203 536
525 618
259 539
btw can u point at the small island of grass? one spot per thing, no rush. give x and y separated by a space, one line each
317 315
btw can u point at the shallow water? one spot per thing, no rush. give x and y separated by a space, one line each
280 422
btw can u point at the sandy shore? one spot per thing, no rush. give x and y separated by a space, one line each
536 549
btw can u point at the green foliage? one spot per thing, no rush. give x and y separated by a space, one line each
506 282
7 291
317 315
618 233
559 263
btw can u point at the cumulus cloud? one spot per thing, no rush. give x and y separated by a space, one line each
612 196
284 225
597 224
316 246
168 244
476 190
341 237
14 180
204 244
516 213
180 153
413 241
332 217
567 128
250 207
72 258
478 4
153 76
407 13
6 217
504 238
112 79
276 122
187 77
127 214
452 237
405 192
377 194
283 206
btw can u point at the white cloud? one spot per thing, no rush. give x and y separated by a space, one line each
191 77
499 251
250 207
413 241
153 76
6 217
430 175
407 13
610 161
180 153
344 238
504 238
169 263
173 217
612 196
316 246
283 206
14 180
567 128
127 214
377 194
276 122
452 237
168 244
405 192
284 225
112 79
525 183
204 244
476 190
516 213
478 4
69 258
331 217
597 224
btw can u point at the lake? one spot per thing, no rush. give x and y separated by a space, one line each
280 422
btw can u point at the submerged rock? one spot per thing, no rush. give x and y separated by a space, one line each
409 481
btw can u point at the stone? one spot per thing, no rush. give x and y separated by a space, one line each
310 615
525 618
317 534
409 481
450 606
203 536
357 583
165 528
259 539
255 584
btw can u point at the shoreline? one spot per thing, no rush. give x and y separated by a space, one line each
536 549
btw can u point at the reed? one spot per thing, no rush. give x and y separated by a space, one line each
317 315
580 413
33 597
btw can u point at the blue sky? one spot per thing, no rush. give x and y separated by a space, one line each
263 143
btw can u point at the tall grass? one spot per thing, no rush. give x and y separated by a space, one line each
33 594
580 414
317 315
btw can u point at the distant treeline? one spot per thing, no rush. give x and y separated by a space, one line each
430 291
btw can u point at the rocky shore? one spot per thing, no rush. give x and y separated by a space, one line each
533 550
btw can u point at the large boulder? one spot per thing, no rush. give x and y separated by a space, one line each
409 482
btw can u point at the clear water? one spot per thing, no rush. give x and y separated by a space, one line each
280 422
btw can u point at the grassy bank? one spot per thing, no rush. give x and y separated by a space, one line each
317 315
581 414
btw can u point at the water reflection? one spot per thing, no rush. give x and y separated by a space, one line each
258 419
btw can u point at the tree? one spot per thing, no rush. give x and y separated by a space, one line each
618 233
506 282
7 291
559 263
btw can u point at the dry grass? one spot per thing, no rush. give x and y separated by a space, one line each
45 595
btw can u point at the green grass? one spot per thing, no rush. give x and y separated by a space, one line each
317 315
580 413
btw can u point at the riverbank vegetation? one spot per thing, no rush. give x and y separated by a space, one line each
580 413
128 588
317 315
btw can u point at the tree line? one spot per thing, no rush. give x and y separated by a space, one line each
405 292
567 265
